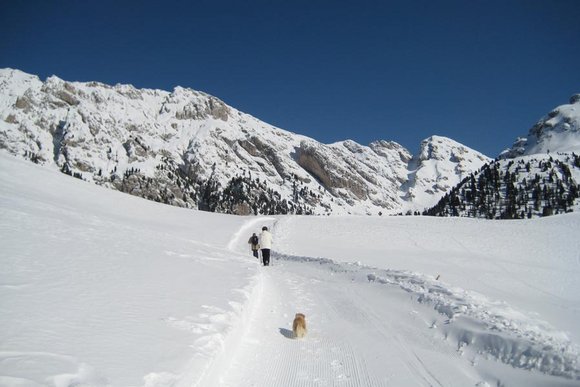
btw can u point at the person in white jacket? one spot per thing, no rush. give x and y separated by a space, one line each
265 245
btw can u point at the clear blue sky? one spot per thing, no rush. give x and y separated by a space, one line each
480 72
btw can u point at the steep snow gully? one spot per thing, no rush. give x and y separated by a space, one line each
372 327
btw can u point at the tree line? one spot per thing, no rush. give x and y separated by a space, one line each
514 189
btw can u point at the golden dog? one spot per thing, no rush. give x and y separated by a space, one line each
299 325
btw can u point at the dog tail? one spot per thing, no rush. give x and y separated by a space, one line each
300 332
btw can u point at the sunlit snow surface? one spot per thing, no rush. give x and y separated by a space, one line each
98 288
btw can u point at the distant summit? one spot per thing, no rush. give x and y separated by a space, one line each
559 131
440 165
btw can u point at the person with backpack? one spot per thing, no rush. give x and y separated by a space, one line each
254 244
265 245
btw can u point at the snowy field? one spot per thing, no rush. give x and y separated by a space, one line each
99 288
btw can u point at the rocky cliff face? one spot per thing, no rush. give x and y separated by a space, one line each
190 149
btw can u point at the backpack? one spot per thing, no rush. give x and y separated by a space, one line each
254 240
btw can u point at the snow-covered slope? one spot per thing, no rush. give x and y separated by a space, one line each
519 188
190 149
559 131
103 289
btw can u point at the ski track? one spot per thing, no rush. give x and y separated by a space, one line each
246 230
269 356
356 338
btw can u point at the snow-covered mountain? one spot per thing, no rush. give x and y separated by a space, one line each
440 165
190 149
524 187
559 131
538 176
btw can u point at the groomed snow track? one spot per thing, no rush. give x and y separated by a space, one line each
371 327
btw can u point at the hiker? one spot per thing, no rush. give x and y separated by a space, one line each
254 244
265 245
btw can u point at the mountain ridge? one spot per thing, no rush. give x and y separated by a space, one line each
190 149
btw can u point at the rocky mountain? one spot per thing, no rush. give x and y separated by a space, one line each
538 176
190 149
559 131
439 166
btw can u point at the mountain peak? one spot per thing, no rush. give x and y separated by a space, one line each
558 131
440 164
444 148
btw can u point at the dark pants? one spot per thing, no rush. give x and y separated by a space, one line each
255 252
266 257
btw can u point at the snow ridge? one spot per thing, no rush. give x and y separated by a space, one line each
479 326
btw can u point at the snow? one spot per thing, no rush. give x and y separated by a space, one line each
99 288
531 264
